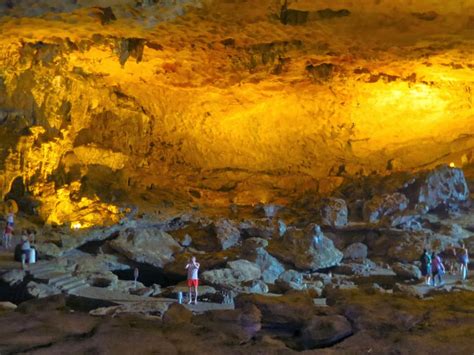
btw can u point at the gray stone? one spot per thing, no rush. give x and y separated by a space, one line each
334 212
407 271
233 275
149 246
38 290
356 251
441 186
13 277
305 250
290 280
227 234
383 206
253 250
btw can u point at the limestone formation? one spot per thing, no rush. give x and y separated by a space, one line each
149 246
304 251
334 212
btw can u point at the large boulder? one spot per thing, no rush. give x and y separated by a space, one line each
150 246
177 314
440 187
334 212
407 271
253 249
39 290
290 280
289 312
306 250
356 251
13 277
383 206
242 323
323 331
227 234
236 273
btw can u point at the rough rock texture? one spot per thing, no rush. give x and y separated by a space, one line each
356 251
384 206
290 280
334 212
298 247
149 246
253 249
323 331
407 271
236 273
101 104
442 186
227 234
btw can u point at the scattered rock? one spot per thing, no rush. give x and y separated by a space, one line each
7 306
408 290
289 312
385 205
356 251
324 331
253 250
407 271
334 212
39 290
290 280
149 246
305 250
227 234
243 323
440 187
233 275
13 277
177 314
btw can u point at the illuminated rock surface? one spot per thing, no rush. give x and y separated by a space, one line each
138 133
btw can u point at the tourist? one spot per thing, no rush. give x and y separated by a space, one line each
438 269
464 262
426 266
7 236
32 236
193 281
25 250
11 219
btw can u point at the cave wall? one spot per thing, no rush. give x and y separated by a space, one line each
224 100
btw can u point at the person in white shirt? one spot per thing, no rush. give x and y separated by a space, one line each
193 280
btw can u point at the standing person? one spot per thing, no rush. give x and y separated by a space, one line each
438 269
464 262
25 250
426 266
193 280
7 236
11 219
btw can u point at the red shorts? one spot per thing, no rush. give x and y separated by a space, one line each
193 283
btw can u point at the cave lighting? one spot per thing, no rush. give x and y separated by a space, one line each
76 225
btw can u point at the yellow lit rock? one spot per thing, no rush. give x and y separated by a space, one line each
220 102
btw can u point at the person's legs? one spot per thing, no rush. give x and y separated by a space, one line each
190 295
195 292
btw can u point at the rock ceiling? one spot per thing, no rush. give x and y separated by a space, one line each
218 102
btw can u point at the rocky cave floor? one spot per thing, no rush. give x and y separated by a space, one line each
267 286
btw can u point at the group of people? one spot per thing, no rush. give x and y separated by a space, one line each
24 251
433 269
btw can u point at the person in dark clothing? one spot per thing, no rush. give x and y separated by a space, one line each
425 260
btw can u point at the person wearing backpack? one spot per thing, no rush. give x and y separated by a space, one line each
425 260
438 269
